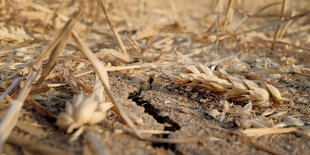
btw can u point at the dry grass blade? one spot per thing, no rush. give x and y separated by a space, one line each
154 132
30 101
307 49
177 140
130 67
10 88
276 23
59 45
283 32
174 10
247 17
124 55
10 118
229 15
256 132
276 34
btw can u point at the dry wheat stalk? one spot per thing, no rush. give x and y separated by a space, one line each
124 56
278 28
237 88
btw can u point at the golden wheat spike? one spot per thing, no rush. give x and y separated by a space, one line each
235 88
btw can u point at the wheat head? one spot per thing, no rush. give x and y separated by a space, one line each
236 88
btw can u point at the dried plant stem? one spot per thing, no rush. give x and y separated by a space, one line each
213 24
228 15
279 22
283 32
155 132
259 146
125 55
254 14
264 8
103 75
175 11
283 12
285 43
131 67
10 118
44 9
276 34
300 29
176 141
10 88
58 47
39 108
256 132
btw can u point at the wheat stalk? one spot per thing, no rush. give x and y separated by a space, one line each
236 88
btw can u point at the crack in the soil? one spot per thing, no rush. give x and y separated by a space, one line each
154 112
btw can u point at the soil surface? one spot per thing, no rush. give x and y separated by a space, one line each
161 107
